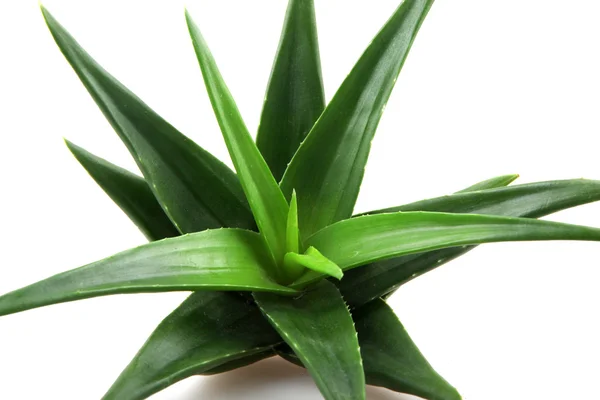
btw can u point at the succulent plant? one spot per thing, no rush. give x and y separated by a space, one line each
276 260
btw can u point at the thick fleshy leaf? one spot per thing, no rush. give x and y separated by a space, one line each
532 200
209 330
328 168
268 205
223 259
130 192
390 357
358 241
319 328
392 360
294 98
498 181
195 189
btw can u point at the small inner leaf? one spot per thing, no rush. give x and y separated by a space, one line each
315 261
292 234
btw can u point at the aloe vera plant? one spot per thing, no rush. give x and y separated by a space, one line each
276 260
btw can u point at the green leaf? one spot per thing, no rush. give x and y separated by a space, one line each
210 330
532 200
195 189
129 192
268 205
390 357
292 234
498 181
294 98
223 259
392 360
293 269
318 326
328 168
370 238
315 261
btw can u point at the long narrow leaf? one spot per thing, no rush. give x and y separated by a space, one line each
130 192
208 331
498 181
224 259
294 98
533 200
195 189
358 241
328 168
268 205
319 328
390 357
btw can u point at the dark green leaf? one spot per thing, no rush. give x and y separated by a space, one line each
498 181
318 326
328 168
532 200
268 205
294 98
390 357
358 241
223 259
129 192
195 189
208 331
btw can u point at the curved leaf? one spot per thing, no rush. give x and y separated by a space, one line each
318 326
498 181
180 173
365 239
130 192
390 357
210 330
294 98
315 261
268 205
327 169
223 259
532 200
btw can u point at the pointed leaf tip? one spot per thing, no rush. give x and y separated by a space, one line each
129 191
266 200
294 98
195 189
328 168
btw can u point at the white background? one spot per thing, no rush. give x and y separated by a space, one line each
491 87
